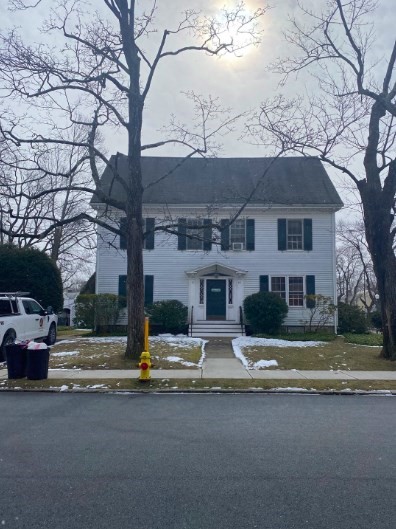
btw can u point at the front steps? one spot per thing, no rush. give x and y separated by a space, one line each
216 328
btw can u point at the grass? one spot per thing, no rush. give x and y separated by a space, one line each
337 354
198 385
109 354
364 339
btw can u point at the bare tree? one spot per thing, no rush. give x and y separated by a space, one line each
355 274
27 209
348 121
105 69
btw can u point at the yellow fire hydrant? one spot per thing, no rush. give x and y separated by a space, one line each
145 365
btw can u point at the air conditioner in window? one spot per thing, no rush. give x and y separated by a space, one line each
238 246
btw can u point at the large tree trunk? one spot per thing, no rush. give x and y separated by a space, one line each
134 199
378 222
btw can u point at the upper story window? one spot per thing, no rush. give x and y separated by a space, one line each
295 234
148 229
194 234
240 235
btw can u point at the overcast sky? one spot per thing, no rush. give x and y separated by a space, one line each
240 83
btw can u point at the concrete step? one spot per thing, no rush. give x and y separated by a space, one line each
213 329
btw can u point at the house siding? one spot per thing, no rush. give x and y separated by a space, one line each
168 265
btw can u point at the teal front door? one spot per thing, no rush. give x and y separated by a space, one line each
215 299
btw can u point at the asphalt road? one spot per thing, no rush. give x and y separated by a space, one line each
197 461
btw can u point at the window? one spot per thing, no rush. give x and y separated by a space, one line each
278 286
31 307
194 234
296 292
237 236
148 228
294 235
201 291
148 288
230 284
290 289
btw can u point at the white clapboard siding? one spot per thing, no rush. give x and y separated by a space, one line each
168 265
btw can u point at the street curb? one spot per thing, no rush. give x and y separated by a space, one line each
376 393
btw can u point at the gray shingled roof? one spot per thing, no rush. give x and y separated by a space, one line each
289 181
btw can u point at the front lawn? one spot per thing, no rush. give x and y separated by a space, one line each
108 353
337 354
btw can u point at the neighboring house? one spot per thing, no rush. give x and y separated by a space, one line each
283 241
68 313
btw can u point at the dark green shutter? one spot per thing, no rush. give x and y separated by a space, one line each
310 290
263 283
207 243
250 234
282 234
181 237
122 286
225 235
308 235
148 289
123 226
149 241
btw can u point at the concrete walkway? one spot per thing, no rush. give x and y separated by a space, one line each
219 370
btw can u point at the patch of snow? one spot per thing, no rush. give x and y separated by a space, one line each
68 353
180 361
264 363
64 388
248 341
238 344
291 389
96 386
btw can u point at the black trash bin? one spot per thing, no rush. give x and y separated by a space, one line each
16 360
37 363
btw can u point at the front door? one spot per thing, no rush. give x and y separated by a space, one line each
215 299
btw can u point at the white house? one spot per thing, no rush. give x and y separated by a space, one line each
282 241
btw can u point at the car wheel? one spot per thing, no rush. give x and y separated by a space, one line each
51 338
8 339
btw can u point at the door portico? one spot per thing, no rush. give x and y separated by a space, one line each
216 292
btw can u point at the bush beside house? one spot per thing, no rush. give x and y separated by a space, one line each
169 315
351 319
265 312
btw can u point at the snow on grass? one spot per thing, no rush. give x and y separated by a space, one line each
184 342
239 344
68 353
173 359
248 341
264 363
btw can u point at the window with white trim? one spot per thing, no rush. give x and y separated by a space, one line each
294 234
296 291
238 234
290 289
194 234
278 286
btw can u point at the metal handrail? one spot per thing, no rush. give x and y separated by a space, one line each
241 318
191 319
